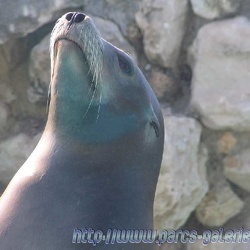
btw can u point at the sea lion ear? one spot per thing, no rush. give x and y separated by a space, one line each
156 126
154 122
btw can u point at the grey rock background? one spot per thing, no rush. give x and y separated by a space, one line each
195 54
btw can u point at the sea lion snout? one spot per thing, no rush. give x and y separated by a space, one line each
79 29
74 17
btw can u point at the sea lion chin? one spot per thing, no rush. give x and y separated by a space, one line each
97 163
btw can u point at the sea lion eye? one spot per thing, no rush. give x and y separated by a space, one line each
125 65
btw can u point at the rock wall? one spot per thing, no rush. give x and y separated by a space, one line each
195 54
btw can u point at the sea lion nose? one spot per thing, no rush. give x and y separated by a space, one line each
72 17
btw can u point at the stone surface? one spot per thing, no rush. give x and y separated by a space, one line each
182 182
119 11
163 85
236 169
242 220
39 71
218 206
110 32
3 116
211 9
13 153
28 15
163 27
226 143
5 64
220 58
217 246
175 246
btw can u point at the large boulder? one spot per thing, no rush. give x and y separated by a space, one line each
220 58
163 24
211 9
236 169
3 116
13 153
19 18
182 182
218 206
39 71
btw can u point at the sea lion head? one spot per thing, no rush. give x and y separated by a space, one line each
98 93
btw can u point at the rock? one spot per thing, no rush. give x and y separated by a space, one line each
236 169
119 11
162 37
28 15
218 206
164 86
13 153
3 116
220 58
182 182
211 9
4 69
15 53
226 143
39 72
110 32
175 246
242 220
245 8
199 245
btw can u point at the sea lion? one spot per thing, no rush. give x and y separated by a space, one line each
97 163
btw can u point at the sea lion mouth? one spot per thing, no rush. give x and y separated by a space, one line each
56 45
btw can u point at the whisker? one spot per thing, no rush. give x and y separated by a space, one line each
92 86
99 106
91 101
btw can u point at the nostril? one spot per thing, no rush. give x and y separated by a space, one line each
79 17
69 16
